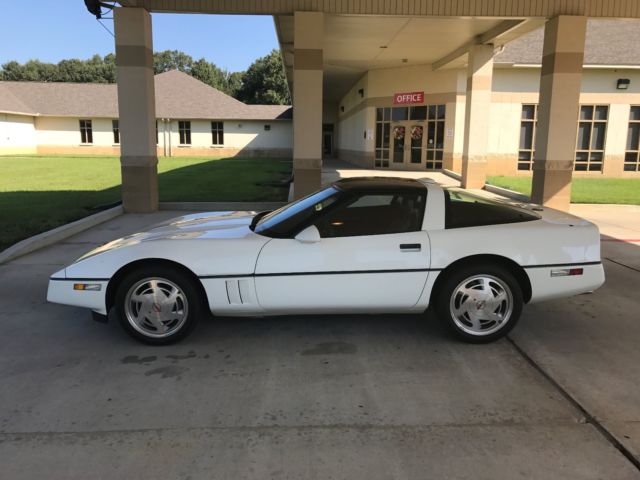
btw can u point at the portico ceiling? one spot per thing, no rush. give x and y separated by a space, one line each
354 44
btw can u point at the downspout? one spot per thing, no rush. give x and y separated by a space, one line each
169 130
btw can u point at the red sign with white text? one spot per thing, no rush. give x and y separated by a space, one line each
408 97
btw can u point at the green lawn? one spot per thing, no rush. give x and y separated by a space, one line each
584 190
38 193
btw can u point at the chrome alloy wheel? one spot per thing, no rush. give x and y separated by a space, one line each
156 307
481 305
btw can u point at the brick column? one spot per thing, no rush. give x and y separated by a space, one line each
307 102
137 110
556 131
476 116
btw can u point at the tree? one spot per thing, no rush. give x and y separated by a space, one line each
172 60
210 74
265 82
234 82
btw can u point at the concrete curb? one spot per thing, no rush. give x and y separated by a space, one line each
507 193
50 237
454 175
220 206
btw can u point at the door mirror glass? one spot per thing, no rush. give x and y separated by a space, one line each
310 234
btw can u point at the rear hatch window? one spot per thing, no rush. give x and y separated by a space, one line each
463 209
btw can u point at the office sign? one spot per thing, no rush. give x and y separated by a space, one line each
408 98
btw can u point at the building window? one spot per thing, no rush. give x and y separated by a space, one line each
86 131
217 133
116 131
157 132
632 153
528 121
592 128
267 128
435 136
184 129
383 134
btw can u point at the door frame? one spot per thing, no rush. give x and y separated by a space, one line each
406 153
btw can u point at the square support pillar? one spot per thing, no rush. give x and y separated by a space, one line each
307 102
137 110
476 116
560 81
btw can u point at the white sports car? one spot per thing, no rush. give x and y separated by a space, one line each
360 245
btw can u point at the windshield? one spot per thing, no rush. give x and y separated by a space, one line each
284 222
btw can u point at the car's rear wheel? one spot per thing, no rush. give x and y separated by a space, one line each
158 306
480 303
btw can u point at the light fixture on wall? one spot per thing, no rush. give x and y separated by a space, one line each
361 92
623 83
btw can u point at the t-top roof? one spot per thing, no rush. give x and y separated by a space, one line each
178 95
378 184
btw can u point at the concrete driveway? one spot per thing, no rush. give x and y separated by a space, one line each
349 397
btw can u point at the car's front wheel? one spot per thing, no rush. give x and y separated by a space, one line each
479 304
159 305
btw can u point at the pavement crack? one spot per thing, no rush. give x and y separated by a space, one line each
622 264
580 408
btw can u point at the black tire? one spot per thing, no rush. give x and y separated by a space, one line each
463 325
190 302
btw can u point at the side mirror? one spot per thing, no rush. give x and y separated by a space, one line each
310 234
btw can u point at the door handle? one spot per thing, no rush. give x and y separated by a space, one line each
410 247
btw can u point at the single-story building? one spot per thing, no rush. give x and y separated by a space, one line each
412 117
192 119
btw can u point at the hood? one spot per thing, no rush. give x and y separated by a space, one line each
210 225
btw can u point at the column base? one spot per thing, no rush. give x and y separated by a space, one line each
552 188
474 174
139 188
305 181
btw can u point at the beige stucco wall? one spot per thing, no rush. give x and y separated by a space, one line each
379 86
61 135
17 134
514 86
511 88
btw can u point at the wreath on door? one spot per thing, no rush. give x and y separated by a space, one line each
398 133
416 132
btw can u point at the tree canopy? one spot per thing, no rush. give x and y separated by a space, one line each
264 82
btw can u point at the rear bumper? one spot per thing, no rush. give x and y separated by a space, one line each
547 287
61 290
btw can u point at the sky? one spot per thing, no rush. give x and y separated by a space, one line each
52 30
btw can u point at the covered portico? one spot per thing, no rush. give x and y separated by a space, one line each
337 55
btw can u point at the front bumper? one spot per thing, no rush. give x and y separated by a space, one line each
61 290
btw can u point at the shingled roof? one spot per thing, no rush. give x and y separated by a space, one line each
178 95
608 42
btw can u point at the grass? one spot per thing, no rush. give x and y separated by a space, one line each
38 193
584 190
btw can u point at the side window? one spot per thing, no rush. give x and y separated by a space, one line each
465 210
375 214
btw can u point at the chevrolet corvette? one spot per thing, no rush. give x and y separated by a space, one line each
360 245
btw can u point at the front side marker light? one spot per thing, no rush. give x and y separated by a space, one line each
566 272
91 287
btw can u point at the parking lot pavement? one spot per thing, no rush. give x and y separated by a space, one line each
313 397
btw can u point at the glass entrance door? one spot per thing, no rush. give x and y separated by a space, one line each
408 146
415 147
399 141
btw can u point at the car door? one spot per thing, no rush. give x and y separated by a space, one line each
372 256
